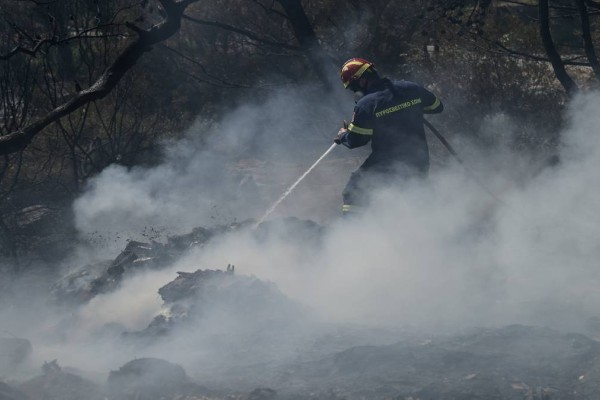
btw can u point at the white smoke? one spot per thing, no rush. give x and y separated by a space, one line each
217 173
443 255
448 254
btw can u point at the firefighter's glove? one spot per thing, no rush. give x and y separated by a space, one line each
340 136
341 133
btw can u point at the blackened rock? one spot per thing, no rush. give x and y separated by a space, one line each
225 301
136 256
45 231
78 286
86 282
200 236
189 284
139 253
148 379
237 296
33 218
197 237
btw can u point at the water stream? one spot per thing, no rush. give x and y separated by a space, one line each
291 188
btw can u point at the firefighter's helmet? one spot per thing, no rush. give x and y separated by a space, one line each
353 69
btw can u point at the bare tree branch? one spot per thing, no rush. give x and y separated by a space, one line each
522 3
243 32
270 9
221 82
19 140
84 34
21 49
38 2
507 51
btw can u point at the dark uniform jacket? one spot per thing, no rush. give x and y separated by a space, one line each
390 116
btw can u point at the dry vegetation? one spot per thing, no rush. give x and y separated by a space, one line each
483 57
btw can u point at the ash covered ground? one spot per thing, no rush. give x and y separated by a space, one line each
221 333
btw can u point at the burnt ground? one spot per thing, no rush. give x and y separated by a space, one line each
262 346
512 362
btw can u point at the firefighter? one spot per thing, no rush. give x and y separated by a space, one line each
390 116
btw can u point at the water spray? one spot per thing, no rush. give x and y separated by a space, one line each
291 188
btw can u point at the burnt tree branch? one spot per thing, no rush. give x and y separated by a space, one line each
242 32
20 49
593 4
586 35
557 64
305 35
214 80
53 41
19 140
501 49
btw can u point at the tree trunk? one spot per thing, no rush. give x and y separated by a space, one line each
321 64
17 141
9 245
557 64
586 35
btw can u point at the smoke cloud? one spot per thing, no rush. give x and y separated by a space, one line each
504 241
436 256
217 173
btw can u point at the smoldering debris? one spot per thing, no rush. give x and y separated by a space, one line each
205 296
256 343
79 285
513 362
83 283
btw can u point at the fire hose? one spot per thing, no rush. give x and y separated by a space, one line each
454 154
